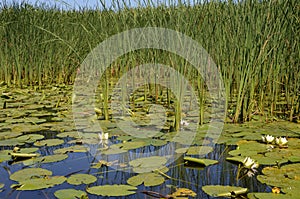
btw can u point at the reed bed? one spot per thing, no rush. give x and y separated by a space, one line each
255 45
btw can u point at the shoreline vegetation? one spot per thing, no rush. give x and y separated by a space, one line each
255 45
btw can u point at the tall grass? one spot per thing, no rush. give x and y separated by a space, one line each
255 44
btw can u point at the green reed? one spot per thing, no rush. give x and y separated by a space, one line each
255 44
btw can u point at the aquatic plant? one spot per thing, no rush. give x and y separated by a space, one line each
267 138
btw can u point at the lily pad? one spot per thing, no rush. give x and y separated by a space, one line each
9 134
78 179
39 183
131 145
49 142
70 194
30 138
46 159
11 142
181 150
269 196
183 192
149 179
72 134
72 149
148 164
113 150
29 174
112 190
287 177
199 150
203 162
223 191
4 155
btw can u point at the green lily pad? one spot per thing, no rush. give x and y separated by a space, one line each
249 148
39 183
72 149
29 174
265 196
49 142
30 138
181 150
4 155
11 142
28 128
112 190
9 134
149 179
131 145
236 159
223 191
46 159
1 185
113 150
287 176
78 179
199 150
70 194
72 134
148 164
203 162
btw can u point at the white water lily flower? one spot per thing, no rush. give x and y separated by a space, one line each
249 163
281 141
103 136
184 123
268 138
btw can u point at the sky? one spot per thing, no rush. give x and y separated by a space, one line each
76 4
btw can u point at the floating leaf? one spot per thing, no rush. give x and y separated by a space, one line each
203 162
131 145
70 194
149 179
78 179
199 150
183 192
181 150
46 159
4 155
30 138
11 142
112 190
270 196
72 149
236 160
112 150
30 173
9 134
287 177
223 191
39 183
49 142
73 134
148 164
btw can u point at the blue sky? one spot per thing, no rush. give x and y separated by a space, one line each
71 4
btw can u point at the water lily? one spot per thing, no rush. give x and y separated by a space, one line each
267 138
250 163
103 136
184 123
281 141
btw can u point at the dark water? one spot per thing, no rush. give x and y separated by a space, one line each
223 173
